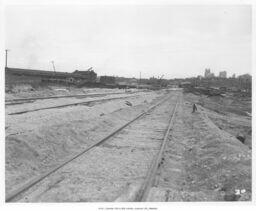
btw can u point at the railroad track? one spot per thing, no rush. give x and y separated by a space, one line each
140 192
150 180
87 102
152 126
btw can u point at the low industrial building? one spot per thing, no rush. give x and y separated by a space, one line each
18 76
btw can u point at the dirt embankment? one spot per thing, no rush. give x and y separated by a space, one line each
237 105
62 102
37 141
228 114
27 91
203 162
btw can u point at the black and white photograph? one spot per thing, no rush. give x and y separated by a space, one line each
127 103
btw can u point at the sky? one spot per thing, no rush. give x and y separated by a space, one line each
126 40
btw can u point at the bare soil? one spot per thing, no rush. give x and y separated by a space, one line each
202 162
104 172
37 141
27 91
228 114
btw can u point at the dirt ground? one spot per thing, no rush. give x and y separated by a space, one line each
45 103
202 162
105 171
27 91
228 114
225 104
37 141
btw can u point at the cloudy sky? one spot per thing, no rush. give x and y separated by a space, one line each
174 41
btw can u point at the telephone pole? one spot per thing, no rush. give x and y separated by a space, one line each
6 56
53 66
140 79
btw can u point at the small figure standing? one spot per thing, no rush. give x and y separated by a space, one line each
194 108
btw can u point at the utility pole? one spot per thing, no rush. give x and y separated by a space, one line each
6 56
53 66
140 79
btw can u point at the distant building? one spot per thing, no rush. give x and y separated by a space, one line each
211 75
223 74
133 82
207 73
234 75
245 76
17 76
89 73
107 80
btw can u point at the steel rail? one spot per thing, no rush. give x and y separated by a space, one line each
31 183
60 96
151 175
70 104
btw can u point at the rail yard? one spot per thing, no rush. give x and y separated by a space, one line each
112 145
127 107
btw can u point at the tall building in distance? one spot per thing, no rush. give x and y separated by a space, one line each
234 75
223 74
208 74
